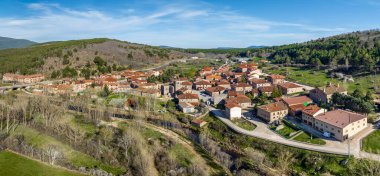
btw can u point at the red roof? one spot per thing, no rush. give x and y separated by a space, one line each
297 100
215 89
188 96
258 81
110 79
203 82
311 110
187 83
289 85
273 107
231 105
340 118
275 76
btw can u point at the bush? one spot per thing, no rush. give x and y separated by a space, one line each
291 125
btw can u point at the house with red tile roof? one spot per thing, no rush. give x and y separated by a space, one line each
324 94
296 104
310 112
276 79
256 83
267 90
202 85
242 100
340 124
224 83
198 123
214 91
241 87
186 107
189 98
213 77
290 88
233 111
272 112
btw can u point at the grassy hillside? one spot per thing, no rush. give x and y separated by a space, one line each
13 164
6 42
78 54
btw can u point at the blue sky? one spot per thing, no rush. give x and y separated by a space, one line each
187 23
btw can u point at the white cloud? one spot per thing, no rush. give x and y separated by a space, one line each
178 25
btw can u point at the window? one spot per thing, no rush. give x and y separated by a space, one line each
338 131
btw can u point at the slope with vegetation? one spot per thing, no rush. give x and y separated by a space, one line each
91 56
358 50
80 138
14 164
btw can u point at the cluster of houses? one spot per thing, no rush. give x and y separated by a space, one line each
226 87
340 124
127 81
23 79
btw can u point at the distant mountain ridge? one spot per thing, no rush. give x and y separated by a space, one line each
6 42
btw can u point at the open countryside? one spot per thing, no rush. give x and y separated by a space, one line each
130 97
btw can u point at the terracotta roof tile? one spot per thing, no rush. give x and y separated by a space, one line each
273 107
340 118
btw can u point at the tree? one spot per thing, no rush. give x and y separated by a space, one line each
65 61
263 98
105 92
368 96
99 61
276 92
152 79
53 154
357 93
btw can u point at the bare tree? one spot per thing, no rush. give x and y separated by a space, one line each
53 154
285 158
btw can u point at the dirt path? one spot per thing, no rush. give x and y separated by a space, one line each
177 138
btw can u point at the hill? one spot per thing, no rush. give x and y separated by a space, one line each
80 54
359 50
14 164
6 42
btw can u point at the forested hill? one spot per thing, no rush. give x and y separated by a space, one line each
66 58
357 49
6 42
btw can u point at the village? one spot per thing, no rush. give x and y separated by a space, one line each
243 94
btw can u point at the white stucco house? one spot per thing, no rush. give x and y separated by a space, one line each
233 111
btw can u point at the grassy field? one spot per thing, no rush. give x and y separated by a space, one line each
78 159
13 164
286 131
304 137
242 123
318 78
365 83
371 143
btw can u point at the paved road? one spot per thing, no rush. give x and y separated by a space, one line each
332 147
